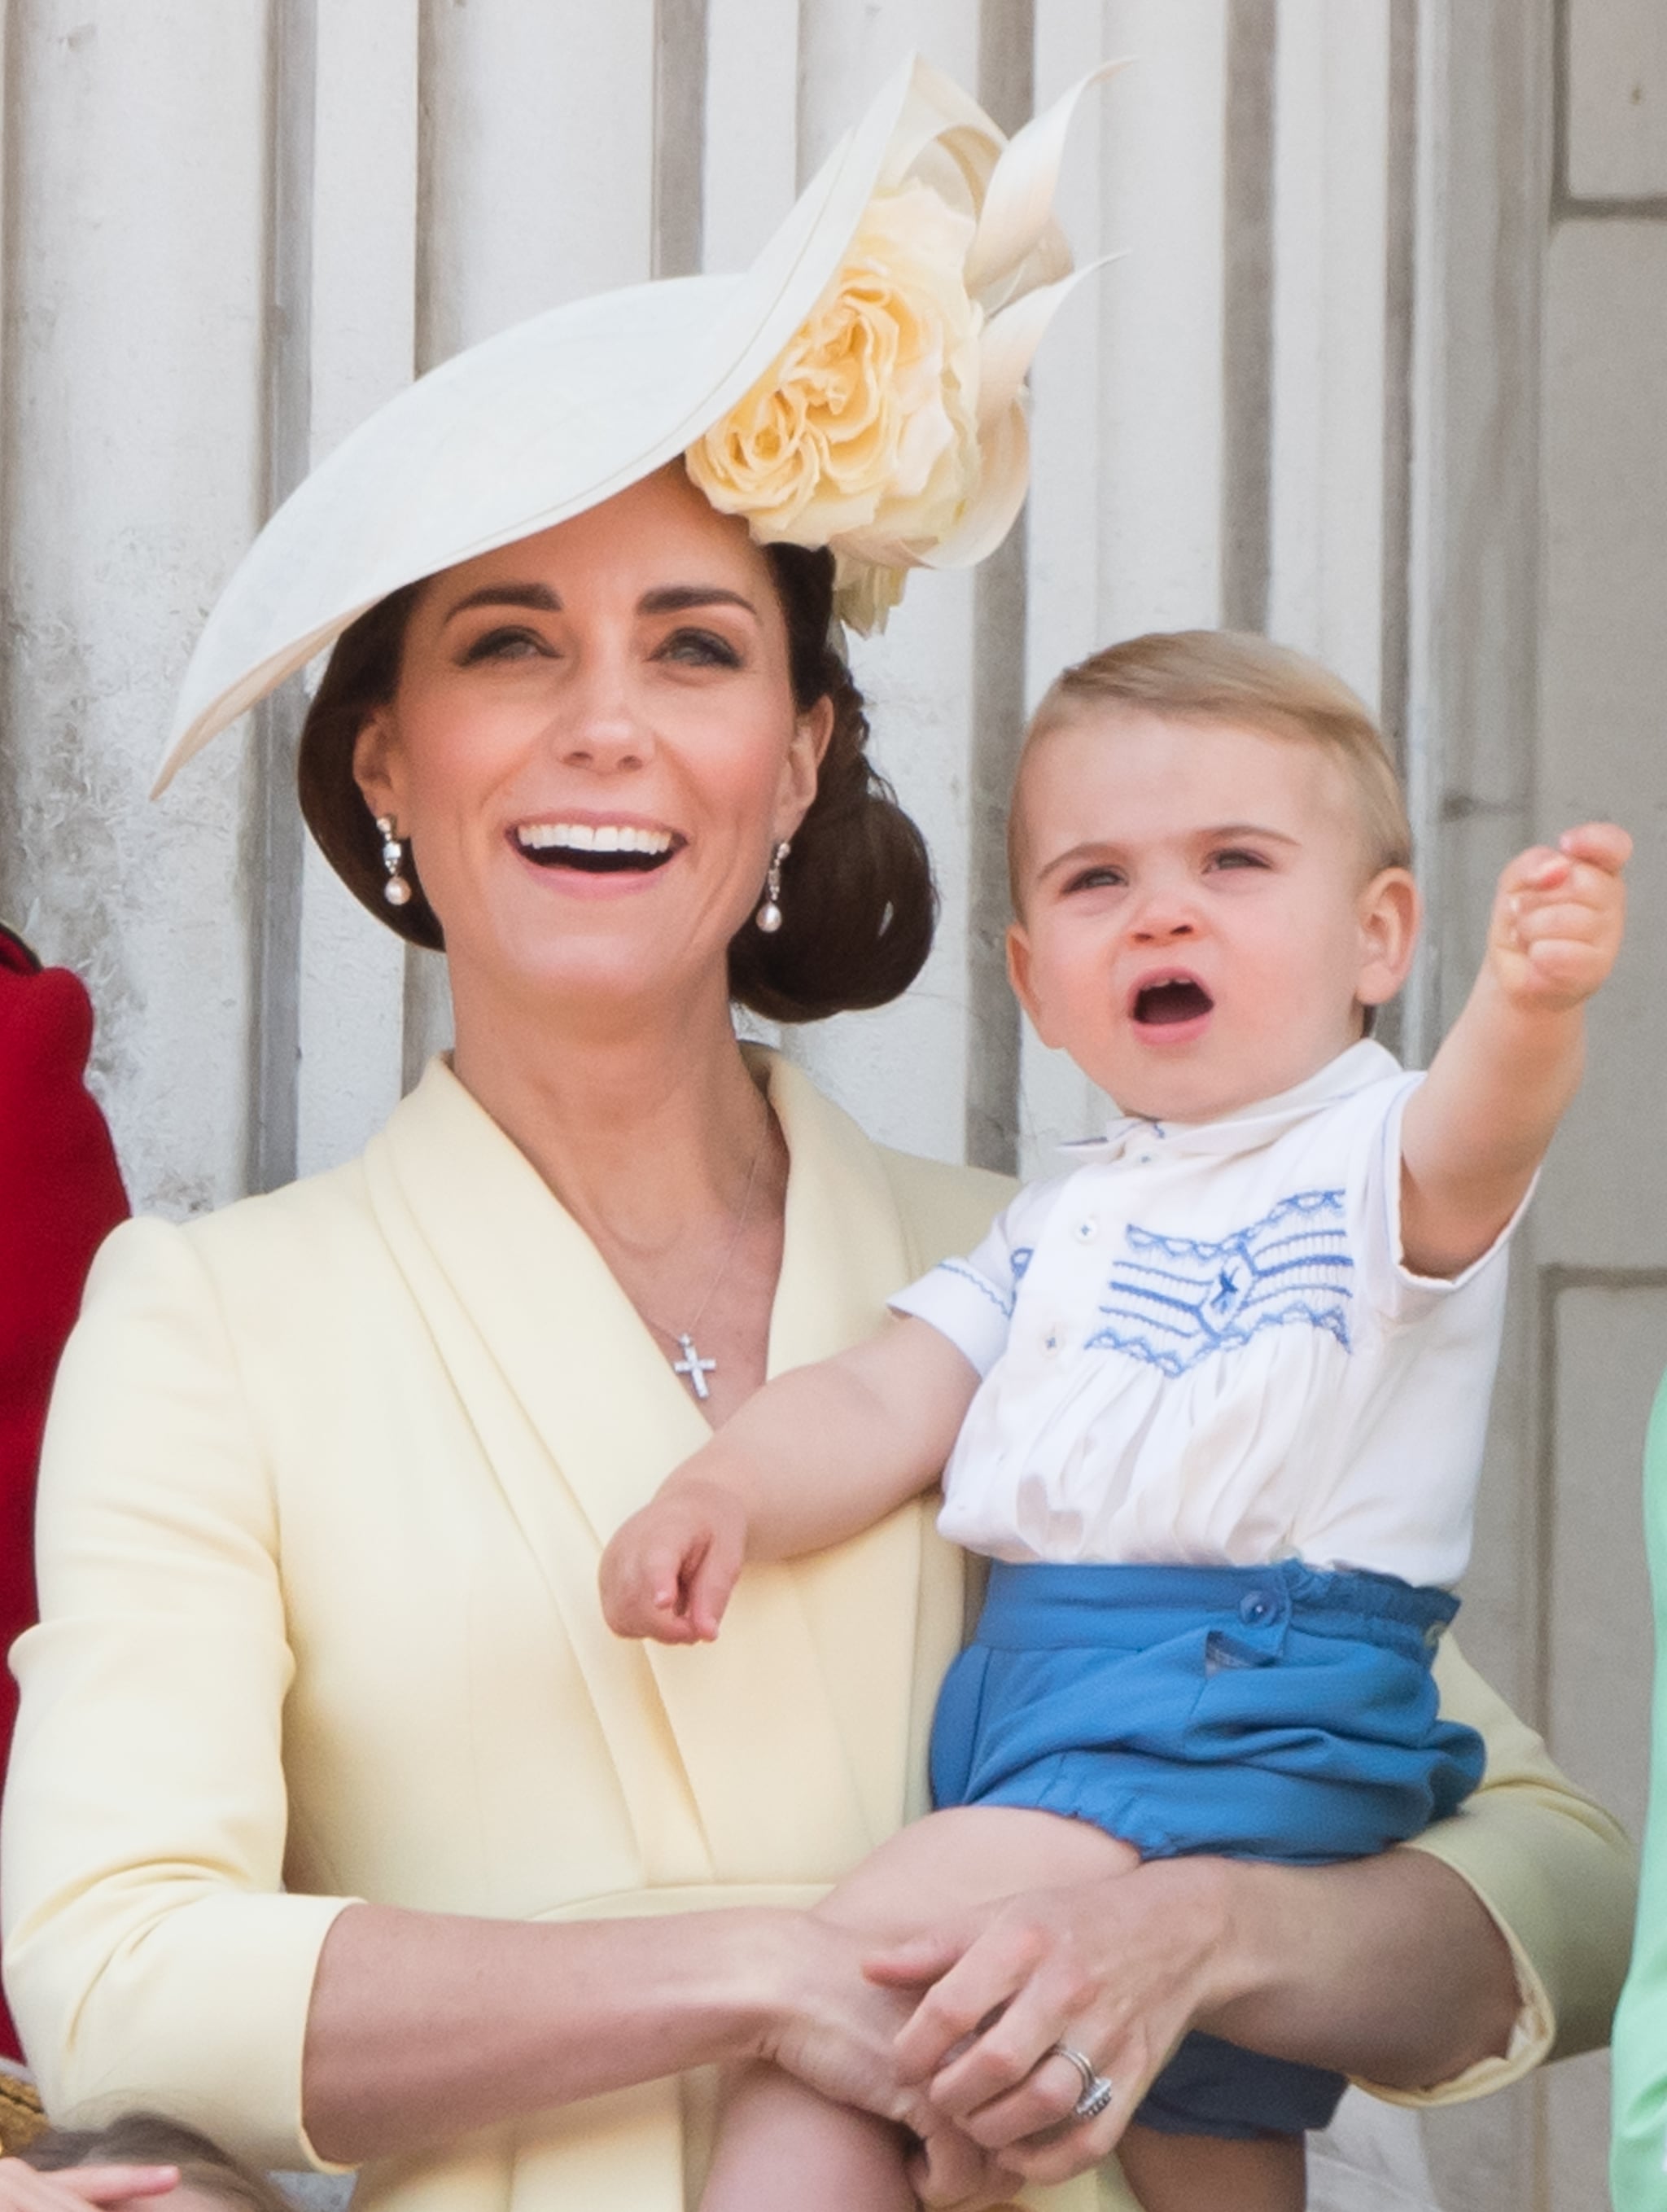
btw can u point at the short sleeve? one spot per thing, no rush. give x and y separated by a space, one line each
1393 1288
971 1300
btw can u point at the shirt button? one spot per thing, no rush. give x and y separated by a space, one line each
1254 1607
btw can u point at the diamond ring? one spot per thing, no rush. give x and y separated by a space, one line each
1097 2091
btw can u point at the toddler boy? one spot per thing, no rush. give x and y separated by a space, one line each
1214 1401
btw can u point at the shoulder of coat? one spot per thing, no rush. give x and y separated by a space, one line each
943 1209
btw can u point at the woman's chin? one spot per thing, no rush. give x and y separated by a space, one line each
586 972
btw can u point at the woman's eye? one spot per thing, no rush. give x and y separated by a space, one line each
700 648
503 645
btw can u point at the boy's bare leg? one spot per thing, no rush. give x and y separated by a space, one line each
772 2131
778 2143
1199 2173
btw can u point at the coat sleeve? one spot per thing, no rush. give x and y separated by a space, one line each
1638 2174
1556 1873
152 1957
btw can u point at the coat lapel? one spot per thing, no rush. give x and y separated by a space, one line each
780 1752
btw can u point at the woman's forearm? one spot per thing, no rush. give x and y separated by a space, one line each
425 2026
1388 1968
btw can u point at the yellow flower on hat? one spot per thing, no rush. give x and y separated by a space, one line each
863 435
891 426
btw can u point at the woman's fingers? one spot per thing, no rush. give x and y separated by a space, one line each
836 2029
989 1964
74 2188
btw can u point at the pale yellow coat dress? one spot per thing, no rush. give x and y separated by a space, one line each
326 1484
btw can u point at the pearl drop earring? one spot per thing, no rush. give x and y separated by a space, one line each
396 891
768 916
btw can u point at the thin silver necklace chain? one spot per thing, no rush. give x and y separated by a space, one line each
692 1367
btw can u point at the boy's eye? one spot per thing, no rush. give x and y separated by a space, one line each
1095 880
700 648
1236 856
503 645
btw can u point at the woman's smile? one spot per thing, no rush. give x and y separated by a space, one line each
591 856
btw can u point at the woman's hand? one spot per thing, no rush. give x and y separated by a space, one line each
74 2188
836 2029
1118 1968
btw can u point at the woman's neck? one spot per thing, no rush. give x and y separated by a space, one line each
652 1133
643 1128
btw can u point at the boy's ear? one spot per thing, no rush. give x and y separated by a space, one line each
1390 913
1018 974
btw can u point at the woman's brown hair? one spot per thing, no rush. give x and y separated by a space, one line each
148 2139
857 901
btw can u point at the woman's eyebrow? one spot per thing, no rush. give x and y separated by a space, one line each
539 597
676 599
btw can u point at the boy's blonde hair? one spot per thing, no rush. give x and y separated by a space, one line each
1216 675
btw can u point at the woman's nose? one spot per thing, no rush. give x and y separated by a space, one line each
597 725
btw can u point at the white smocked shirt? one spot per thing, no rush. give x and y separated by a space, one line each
1202 1346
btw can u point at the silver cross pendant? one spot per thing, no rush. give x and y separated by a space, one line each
693 1368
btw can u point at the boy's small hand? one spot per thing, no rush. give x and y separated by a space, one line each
669 1571
1557 917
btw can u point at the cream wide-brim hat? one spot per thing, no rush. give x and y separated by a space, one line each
559 413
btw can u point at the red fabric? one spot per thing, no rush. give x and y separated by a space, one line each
60 1195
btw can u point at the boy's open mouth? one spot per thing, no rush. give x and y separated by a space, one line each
596 849
1170 1000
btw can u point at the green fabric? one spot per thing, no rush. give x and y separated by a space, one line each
1638 2167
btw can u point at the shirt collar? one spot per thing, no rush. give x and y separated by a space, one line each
1255 1125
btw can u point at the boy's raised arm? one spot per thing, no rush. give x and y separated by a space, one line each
1477 1127
814 1457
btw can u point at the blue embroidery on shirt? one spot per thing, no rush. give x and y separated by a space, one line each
1175 1301
972 1275
1020 1258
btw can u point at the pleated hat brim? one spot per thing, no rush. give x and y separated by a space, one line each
518 433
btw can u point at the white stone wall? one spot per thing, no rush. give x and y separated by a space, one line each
1382 372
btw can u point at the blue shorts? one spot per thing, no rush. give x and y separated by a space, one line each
1261 1712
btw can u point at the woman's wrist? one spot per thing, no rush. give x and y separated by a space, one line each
1204 1899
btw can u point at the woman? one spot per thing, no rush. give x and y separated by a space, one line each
330 1472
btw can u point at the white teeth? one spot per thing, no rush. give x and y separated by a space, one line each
586 837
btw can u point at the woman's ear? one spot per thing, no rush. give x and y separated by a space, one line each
373 765
1390 913
812 732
